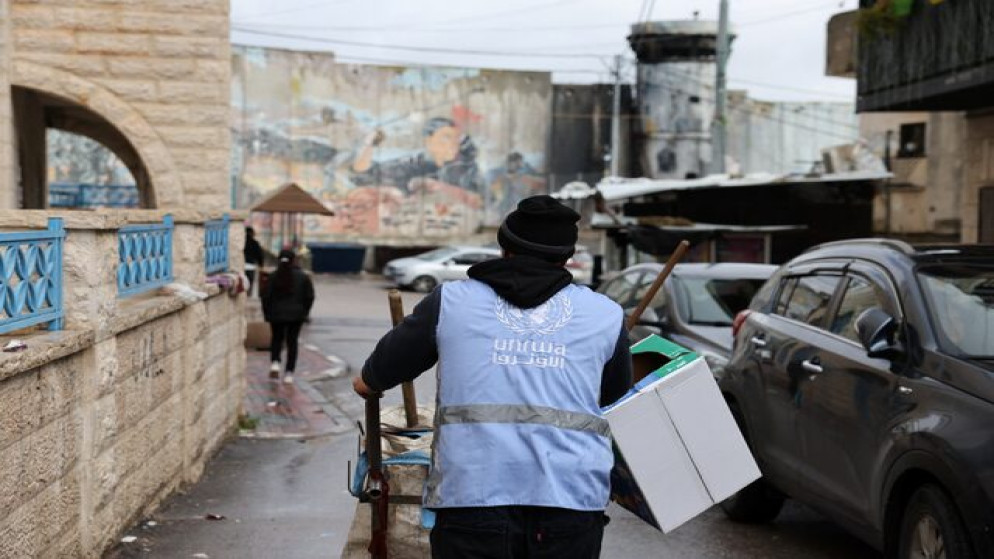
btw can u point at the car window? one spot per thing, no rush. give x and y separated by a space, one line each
809 299
438 254
860 294
961 303
471 258
715 301
658 302
619 289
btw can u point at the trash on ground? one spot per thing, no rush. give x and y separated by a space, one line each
214 516
15 345
128 539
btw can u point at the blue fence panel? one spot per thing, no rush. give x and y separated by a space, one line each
145 257
31 278
216 245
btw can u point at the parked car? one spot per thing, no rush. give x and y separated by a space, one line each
581 265
863 379
424 271
695 307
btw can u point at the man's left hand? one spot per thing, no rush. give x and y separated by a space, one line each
362 389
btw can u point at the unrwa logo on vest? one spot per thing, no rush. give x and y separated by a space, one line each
543 319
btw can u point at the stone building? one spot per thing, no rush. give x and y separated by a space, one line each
936 59
125 396
149 79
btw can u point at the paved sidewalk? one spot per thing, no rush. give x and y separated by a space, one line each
292 411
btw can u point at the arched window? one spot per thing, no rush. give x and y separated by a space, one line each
70 156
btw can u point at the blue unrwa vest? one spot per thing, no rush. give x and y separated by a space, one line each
517 418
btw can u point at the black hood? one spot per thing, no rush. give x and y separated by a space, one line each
524 281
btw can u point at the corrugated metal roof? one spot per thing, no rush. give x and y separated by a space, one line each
617 188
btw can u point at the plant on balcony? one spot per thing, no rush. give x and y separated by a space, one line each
882 18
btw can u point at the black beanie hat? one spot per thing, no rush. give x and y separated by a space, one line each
540 227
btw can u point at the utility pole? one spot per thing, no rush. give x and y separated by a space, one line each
719 130
616 120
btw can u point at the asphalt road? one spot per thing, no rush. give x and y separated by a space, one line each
288 498
354 314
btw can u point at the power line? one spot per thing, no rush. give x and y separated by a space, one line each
307 6
346 59
434 29
786 15
413 48
510 12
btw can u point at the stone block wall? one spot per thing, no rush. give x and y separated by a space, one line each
979 171
157 70
101 421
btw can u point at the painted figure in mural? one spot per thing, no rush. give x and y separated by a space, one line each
448 158
509 184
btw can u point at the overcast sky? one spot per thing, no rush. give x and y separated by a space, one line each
779 52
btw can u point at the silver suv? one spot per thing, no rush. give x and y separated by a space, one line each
425 271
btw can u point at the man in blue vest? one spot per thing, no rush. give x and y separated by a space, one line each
522 455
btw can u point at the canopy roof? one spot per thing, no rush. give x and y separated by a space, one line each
290 198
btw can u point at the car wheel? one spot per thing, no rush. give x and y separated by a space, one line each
423 284
756 503
931 528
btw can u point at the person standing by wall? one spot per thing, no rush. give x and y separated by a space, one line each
522 454
253 257
286 304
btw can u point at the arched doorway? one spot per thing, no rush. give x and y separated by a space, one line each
35 114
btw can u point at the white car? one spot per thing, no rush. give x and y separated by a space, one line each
425 271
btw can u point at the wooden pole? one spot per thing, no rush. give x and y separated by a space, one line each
677 256
410 400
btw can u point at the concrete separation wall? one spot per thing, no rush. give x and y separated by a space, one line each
100 422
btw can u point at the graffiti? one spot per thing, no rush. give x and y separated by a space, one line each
411 154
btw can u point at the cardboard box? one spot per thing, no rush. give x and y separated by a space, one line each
678 450
258 335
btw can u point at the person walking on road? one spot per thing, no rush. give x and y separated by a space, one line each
522 455
286 304
253 257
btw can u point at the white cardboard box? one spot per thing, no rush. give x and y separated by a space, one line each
678 448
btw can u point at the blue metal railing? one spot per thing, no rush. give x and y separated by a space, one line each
216 245
31 278
145 257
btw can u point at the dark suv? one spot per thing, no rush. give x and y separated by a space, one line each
863 378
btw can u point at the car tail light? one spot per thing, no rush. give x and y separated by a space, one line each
739 321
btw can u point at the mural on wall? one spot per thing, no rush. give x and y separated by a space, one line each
83 173
413 155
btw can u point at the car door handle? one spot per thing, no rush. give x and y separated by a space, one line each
757 341
811 366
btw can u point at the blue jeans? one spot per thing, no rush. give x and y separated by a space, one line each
517 532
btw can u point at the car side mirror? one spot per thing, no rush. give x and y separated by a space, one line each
877 332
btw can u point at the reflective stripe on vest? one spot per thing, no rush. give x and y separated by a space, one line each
506 413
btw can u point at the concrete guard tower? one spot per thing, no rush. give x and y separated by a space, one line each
675 95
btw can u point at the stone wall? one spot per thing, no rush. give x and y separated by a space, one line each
979 170
157 70
101 421
925 194
8 197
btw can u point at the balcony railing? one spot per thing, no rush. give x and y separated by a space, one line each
216 245
31 278
145 257
940 57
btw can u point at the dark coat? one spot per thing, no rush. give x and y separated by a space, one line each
293 306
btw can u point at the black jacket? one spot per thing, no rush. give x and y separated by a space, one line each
410 348
292 306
